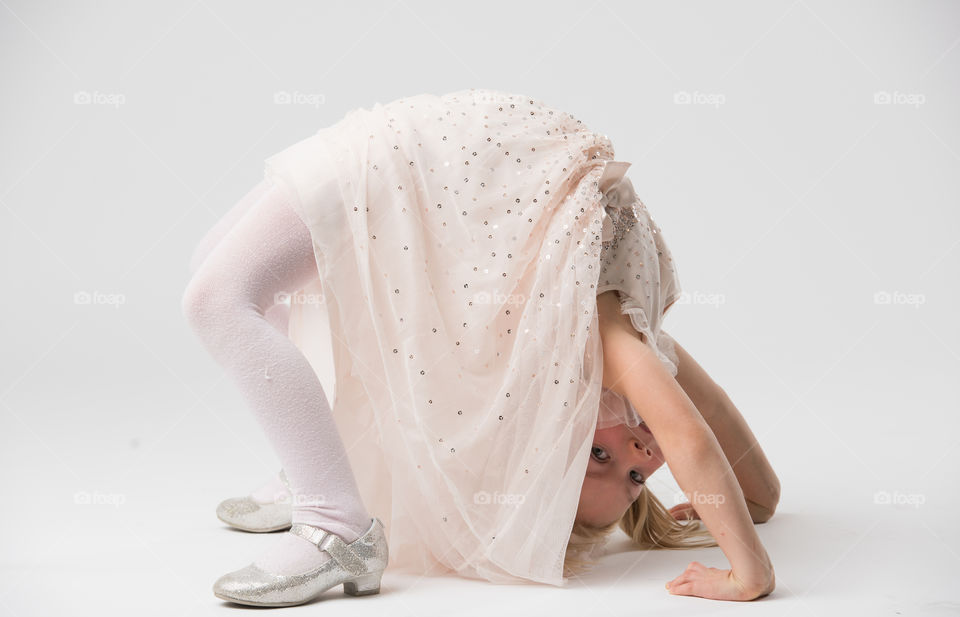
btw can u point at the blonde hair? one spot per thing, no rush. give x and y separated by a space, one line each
648 524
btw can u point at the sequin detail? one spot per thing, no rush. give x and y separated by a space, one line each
460 270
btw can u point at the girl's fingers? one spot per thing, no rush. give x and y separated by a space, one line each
686 580
684 577
682 589
683 511
692 581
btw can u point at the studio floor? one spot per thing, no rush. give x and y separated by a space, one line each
801 158
144 539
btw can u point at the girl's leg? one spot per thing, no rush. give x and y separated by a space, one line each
271 491
278 314
226 223
268 251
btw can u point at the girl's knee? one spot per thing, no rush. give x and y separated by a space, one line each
194 302
208 301
279 316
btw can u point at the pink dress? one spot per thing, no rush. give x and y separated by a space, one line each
638 264
459 278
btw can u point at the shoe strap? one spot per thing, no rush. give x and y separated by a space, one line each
339 550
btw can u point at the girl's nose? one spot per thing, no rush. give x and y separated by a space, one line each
641 449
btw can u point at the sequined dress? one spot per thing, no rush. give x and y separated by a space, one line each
636 262
458 280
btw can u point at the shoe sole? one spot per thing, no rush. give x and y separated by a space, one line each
366 586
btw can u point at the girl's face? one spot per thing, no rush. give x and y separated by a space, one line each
621 460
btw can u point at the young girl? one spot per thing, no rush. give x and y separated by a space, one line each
489 277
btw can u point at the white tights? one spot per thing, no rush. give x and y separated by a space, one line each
260 249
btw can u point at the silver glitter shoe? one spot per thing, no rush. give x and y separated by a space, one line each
249 515
358 566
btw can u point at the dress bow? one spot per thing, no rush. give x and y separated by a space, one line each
617 193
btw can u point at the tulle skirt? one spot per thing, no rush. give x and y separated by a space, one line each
461 241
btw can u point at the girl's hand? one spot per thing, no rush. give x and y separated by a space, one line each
716 584
684 512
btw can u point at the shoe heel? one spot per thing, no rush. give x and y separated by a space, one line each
366 585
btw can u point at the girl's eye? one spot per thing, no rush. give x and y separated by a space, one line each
638 478
601 456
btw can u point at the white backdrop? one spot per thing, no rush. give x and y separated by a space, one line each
800 156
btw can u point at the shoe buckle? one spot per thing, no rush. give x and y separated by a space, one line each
339 550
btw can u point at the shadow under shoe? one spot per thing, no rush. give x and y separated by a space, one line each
358 566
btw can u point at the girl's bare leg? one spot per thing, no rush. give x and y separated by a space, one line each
268 251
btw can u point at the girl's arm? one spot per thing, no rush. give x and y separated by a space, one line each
632 369
759 483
